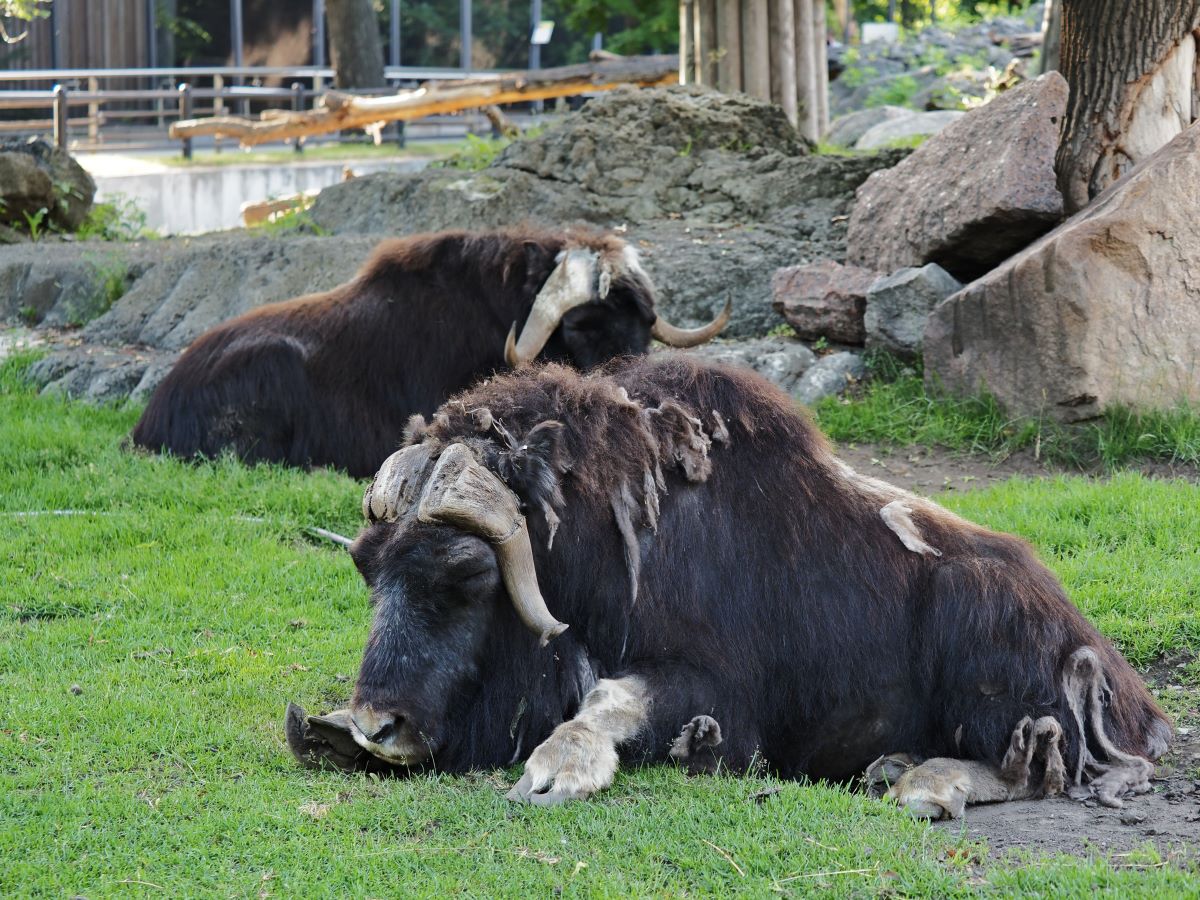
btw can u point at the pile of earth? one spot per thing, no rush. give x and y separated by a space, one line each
715 191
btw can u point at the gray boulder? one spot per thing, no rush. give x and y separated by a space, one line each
36 175
830 375
899 304
845 130
780 360
971 196
916 125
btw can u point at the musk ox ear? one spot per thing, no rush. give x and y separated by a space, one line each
533 469
681 434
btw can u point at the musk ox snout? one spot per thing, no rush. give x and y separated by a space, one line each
390 735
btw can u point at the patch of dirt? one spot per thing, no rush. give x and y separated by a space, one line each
1168 817
930 470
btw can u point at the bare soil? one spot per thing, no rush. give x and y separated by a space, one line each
930 470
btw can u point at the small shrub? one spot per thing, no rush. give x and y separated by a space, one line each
292 221
477 153
897 92
782 330
116 219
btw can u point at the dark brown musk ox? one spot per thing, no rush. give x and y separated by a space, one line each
330 379
734 593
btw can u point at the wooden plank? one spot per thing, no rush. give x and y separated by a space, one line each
729 46
342 111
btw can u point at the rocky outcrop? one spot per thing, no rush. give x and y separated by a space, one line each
823 299
780 360
714 189
844 131
899 304
970 196
830 375
36 175
1103 311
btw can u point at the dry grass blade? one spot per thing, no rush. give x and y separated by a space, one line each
728 856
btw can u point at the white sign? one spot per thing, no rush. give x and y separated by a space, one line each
542 32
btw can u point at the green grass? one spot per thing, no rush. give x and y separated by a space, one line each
901 412
188 607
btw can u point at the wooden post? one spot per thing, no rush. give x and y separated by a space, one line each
784 64
756 59
729 46
686 71
806 77
94 111
62 116
820 66
185 113
705 14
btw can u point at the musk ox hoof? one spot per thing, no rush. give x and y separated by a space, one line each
885 772
572 764
694 748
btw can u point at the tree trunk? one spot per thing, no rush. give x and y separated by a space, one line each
729 46
1051 36
756 53
1131 66
820 66
354 43
806 74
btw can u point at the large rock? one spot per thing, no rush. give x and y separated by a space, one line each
845 130
1103 311
782 361
971 196
830 375
823 299
922 124
36 175
899 304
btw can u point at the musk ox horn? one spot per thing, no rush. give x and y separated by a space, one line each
690 337
395 486
466 495
571 284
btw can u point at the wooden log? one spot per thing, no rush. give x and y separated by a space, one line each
729 46
756 54
783 57
686 71
806 78
342 111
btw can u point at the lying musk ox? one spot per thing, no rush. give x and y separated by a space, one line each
733 593
330 379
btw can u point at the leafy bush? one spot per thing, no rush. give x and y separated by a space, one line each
117 219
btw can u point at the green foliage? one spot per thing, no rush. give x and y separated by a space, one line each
188 607
113 281
477 153
898 91
117 219
33 223
782 330
902 412
631 26
292 221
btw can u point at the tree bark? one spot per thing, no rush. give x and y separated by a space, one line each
1131 66
729 46
783 57
806 75
354 43
820 67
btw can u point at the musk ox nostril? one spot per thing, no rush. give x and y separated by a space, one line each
386 730
376 728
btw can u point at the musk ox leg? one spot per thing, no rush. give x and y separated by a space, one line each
1088 694
580 756
694 748
942 788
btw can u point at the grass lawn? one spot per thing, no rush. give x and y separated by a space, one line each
149 643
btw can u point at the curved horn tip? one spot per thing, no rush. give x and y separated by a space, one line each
510 347
673 336
551 632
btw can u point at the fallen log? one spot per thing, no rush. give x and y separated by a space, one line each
338 111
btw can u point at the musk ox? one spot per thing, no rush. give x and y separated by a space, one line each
330 379
734 593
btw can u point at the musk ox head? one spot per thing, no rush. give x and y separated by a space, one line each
448 544
598 304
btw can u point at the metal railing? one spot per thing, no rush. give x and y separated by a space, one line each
174 93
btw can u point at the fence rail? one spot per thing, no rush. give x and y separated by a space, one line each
172 93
